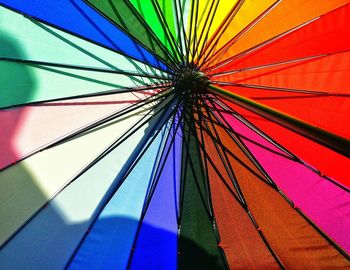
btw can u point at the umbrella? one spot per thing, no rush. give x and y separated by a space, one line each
165 134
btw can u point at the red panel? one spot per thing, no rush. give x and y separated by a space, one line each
329 74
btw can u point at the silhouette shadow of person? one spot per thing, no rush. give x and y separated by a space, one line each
44 245
49 239
17 87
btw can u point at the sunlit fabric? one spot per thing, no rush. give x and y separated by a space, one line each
174 134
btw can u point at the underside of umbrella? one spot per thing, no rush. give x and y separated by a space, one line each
174 134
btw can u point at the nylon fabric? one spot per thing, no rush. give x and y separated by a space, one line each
123 14
29 184
26 39
216 14
24 129
326 161
329 74
248 12
326 35
42 83
324 111
162 24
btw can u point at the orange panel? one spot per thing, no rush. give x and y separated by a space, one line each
237 232
328 34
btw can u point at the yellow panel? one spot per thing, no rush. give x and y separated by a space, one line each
249 11
222 11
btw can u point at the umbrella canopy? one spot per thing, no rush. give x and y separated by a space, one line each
174 134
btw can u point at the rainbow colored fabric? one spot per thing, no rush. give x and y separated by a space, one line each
174 134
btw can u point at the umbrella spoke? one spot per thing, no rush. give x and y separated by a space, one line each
117 17
156 178
174 133
109 45
312 93
260 45
182 39
221 52
172 41
213 42
287 155
129 132
198 46
114 71
97 94
98 123
145 145
242 204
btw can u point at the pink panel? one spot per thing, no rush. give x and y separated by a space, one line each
26 129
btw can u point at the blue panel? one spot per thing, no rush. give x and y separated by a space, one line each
156 247
77 17
108 245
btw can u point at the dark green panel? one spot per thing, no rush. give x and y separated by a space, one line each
197 244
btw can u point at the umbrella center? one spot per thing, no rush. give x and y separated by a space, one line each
190 79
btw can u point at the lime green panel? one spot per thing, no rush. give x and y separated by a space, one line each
160 17
27 39
148 12
167 7
21 83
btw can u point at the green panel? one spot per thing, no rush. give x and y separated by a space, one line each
124 14
22 83
198 245
160 17
27 39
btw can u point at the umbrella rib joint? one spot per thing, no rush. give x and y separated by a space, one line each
189 79
335 142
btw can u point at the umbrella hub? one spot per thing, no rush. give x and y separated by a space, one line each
192 80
